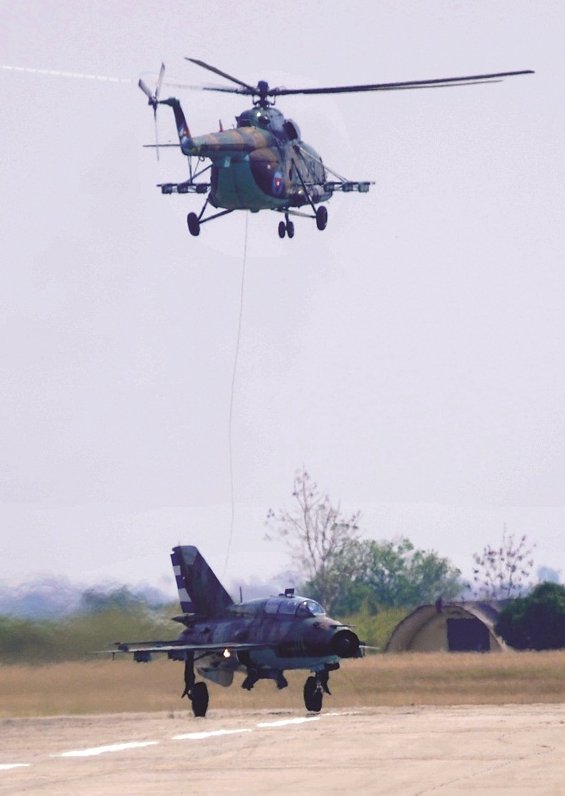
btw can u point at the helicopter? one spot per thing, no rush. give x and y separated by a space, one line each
263 163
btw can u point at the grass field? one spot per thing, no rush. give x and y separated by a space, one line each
104 686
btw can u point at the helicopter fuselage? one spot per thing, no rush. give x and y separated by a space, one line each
262 164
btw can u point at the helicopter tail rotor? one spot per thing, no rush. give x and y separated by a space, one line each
153 100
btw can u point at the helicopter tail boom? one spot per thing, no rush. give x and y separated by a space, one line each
185 138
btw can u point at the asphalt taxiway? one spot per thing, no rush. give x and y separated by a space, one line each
512 750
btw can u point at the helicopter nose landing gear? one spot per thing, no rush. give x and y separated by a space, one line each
286 228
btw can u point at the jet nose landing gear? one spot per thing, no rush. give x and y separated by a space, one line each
313 694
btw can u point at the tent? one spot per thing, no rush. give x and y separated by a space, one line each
453 627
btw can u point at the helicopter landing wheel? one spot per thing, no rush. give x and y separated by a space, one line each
193 224
321 217
290 229
282 229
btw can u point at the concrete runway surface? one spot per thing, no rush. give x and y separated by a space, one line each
510 750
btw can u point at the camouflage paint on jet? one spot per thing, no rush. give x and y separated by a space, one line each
260 638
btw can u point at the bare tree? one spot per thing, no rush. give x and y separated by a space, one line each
503 571
318 536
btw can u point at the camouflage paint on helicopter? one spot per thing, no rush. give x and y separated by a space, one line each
253 167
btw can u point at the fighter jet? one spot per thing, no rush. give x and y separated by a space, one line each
261 638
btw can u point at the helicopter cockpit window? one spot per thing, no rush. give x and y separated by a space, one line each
291 129
246 119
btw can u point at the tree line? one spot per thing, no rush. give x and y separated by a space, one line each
348 573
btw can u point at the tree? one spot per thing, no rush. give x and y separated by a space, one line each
318 536
502 572
535 622
394 574
348 574
120 598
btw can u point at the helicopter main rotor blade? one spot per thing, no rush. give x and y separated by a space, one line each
252 89
227 90
408 84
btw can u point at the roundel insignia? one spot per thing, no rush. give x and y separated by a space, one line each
278 183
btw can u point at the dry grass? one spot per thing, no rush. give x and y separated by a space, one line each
407 679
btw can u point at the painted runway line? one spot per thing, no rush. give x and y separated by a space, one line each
286 722
200 736
9 766
95 751
101 750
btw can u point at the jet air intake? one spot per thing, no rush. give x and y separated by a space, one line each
345 644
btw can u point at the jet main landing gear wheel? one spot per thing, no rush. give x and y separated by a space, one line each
313 695
199 697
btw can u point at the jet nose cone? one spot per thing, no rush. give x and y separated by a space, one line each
345 644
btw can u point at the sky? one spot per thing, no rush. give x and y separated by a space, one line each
410 356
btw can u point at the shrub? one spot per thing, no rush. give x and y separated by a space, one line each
535 622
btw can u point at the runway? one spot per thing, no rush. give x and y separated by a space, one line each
512 750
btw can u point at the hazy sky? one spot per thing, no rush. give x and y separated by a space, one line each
410 356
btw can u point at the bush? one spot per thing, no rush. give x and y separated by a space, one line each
535 622
79 636
375 629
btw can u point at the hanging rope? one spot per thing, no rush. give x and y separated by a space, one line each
233 378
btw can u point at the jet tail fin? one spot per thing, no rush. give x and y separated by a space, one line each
200 591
